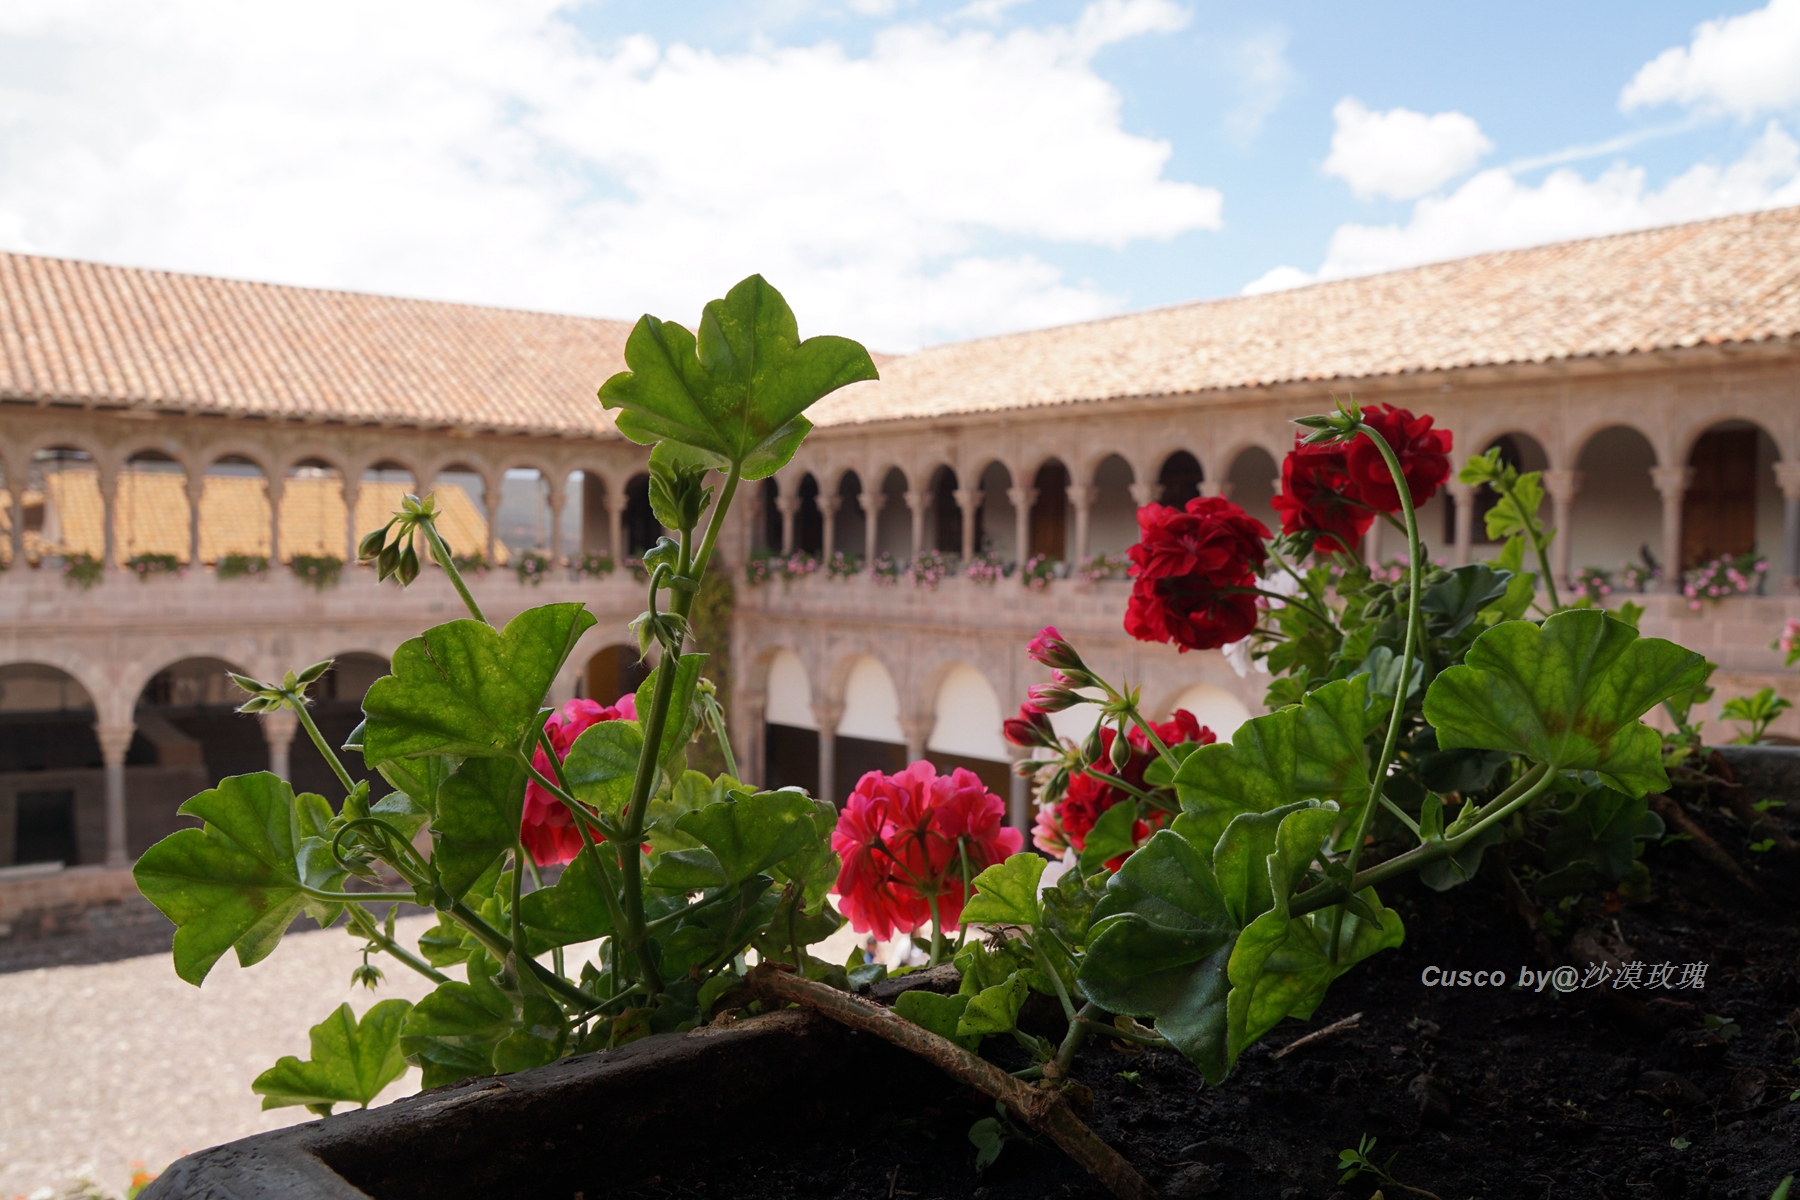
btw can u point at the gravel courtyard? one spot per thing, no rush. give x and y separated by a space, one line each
106 1065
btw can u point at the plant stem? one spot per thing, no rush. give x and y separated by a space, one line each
441 552
1415 555
937 933
1528 522
517 918
365 926
582 816
1126 1035
366 897
1078 1032
298 704
497 945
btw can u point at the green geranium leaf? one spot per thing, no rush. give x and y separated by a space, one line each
574 910
814 867
1007 893
940 1014
446 943
750 834
734 393
602 764
1568 694
689 946
1068 907
684 715
466 689
234 882
690 792
351 1061
983 967
1314 751
994 1009
478 819
1604 829
1161 938
403 814
1460 867
687 871
1452 606
1240 860
451 1034
418 778
1111 837
538 1039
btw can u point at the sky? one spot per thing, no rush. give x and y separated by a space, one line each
906 172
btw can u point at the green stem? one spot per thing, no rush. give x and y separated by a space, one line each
365 926
298 704
1062 992
962 927
1125 1035
1078 1032
1528 522
497 945
441 553
518 920
937 933
1415 555
582 816
366 897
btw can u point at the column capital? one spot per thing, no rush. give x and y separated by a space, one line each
918 501
917 727
1461 492
1022 497
827 714
1219 488
787 506
196 486
1787 478
967 498
115 741
1082 495
1672 482
273 485
1146 493
1562 485
830 504
279 726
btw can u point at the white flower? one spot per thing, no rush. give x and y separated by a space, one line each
1237 654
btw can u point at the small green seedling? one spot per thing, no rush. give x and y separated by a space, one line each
1356 1161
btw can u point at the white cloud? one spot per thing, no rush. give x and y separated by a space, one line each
1401 154
1495 211
1279 279
483 151
1263 76
1742 65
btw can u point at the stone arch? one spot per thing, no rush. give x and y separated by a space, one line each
997 523
189 701
151 511
943 519
1252 478
893 520
1732 506
314 519
790 726
1112 513
61 507
588 496
461 491
1179 477
47 718
850 526
870 735
1212 706
768 519
809 518
613 672
1050 523
1617 514
638 525
235 514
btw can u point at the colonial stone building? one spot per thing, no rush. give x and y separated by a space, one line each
161 419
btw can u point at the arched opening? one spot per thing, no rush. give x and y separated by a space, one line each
790 730
52 798
1251 484
1523 453
189 710
809 521
944 525
461 495
1732 506
586 509
613 672
337 710
234 510
522 522
869 737
150 507
850 531
966 731
1112 520
1050 512
767 533
1214 707
384 487
640 525
1617 515
998 523
893 524
63 511
312 511
1180 478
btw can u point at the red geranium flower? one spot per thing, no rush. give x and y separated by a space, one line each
545 826
1092 792
1318 494
1424 455
1190 568
1030 728
903 839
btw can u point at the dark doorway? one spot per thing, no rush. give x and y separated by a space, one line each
1050 515
641 526
1180 478
44 830
1718 514
809 521
337 711
856 757
946 517
614 672
791 758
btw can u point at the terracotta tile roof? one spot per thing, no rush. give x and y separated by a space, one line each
91 334
1731 280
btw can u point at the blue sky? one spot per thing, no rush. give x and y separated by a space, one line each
908 172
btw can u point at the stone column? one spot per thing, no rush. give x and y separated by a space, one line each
18 523
1018 801
1562 487
828 511
196 488
272 487
558 498
787 506
615 526
828 716
969 501
1787 476
278 729
490 503
917 730
1463 496
1145 493
872 504
1082 498
1221 489
747 723
1673 483
352 488
919 503
1372 543
1022 499
115 740
109 503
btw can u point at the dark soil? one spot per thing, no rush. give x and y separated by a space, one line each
1476 1092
